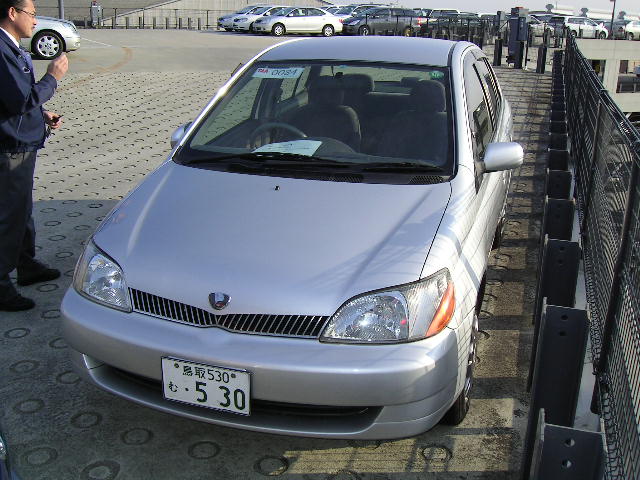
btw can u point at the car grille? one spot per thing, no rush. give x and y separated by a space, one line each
300 326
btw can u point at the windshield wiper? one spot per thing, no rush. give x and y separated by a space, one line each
402 167
271 159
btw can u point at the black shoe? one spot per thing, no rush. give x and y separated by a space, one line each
43 275
16 304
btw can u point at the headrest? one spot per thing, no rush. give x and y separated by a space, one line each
326 90
428 96
359 82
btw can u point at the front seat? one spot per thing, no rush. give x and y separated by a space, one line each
422 131
326 116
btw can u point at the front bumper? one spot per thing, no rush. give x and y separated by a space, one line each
350 29
366 391
72 42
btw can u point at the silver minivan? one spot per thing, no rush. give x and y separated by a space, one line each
310 259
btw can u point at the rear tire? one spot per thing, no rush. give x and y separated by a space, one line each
328 31
602 35
407 32
629 36
364 31
278 30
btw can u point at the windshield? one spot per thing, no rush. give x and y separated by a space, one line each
260 10
379 117
246 9
345 10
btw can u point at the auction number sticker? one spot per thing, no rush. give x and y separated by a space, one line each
206 385
266 72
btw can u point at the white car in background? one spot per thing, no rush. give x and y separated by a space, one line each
244 23
585 27
225 22
299 20
632 30
51 37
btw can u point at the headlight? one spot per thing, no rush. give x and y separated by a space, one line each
401 314
100 279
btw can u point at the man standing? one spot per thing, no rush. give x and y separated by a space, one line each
23 123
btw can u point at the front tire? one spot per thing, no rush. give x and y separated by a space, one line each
364 31
47 45
278 30
328 31
460 407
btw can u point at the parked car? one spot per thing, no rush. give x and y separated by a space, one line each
279 273
398 21
537 26
51 37
619 28
632 30
585 27
356 9
225 22
244 23
299 20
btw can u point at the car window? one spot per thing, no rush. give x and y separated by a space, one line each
477 109
489 84
314 12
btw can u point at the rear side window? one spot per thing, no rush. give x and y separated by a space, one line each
477 108
489 84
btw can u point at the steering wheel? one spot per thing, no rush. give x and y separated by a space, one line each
273 125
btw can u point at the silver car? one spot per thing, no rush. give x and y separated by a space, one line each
299 20
310 258
51 37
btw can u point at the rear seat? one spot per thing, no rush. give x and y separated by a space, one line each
378 110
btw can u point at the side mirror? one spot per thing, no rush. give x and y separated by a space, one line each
178 133
503 156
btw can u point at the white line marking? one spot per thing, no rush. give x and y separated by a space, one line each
93 41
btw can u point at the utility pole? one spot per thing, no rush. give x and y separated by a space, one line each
613 13
61 8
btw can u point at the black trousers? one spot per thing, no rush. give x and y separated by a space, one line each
17 231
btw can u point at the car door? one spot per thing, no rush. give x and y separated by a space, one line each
482 105
381 20
295 20
589 29
314 20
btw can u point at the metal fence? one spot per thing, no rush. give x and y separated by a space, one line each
606 149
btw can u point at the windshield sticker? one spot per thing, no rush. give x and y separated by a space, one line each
299 147
436 75
278 72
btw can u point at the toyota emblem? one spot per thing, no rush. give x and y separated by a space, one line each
218 300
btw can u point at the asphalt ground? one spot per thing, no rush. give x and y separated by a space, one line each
125 93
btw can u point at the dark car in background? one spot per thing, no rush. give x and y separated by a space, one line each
396 21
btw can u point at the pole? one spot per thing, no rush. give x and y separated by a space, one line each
613 14
61 8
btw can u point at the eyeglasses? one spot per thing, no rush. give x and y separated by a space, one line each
32 15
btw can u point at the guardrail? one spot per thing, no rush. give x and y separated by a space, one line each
605 148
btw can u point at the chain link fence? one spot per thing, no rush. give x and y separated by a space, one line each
606 150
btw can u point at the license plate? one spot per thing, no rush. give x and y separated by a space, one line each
206 385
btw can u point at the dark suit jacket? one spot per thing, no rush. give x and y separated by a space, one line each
22 126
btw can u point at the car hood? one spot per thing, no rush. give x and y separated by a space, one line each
51 20
275 245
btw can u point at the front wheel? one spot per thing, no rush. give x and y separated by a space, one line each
460 407
328 30
602 35
278 30
47 45
364 30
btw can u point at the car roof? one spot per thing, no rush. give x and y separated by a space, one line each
408 50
